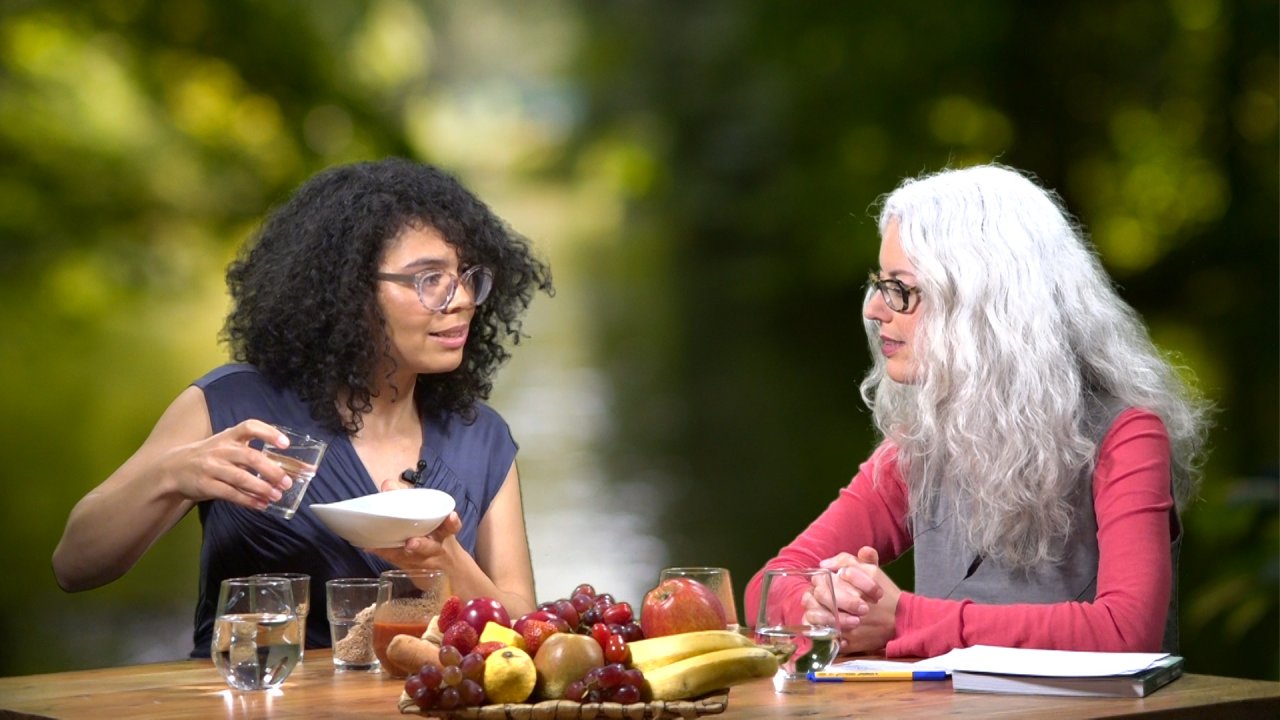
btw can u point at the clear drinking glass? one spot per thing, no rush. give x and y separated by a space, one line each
256 643
300 461
300 583
407 600
717 579
782 621
350 605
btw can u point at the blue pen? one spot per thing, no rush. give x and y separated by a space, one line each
876 675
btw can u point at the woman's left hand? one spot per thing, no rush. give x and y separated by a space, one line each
428 552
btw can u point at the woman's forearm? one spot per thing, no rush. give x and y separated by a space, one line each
110 529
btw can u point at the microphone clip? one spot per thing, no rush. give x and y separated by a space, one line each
414 476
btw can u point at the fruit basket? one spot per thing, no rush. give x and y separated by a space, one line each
708 704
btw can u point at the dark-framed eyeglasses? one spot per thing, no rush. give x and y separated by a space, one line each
436 288
896 294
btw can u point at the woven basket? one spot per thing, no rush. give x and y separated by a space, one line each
709 704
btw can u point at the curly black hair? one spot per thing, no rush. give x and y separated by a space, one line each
304 305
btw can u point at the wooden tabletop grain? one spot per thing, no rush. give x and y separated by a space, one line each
194 689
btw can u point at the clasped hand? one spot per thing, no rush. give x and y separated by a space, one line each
866 601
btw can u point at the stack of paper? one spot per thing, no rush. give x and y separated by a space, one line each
983 668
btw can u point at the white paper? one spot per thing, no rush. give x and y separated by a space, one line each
1051 663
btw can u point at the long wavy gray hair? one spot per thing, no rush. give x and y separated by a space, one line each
1020 330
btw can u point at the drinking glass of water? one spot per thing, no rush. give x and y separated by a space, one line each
256 639
300 461
813 637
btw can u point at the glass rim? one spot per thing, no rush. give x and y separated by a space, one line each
262 579
284 575
248 584
398 572
354 582
696 568
298 436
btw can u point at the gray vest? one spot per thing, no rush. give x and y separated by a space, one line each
946 569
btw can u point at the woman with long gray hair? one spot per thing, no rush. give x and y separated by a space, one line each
1037 447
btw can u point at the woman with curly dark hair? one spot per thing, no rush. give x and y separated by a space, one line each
369 311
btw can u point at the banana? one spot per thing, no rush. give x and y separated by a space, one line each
700 674
652 653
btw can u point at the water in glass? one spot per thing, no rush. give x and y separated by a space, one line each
256 651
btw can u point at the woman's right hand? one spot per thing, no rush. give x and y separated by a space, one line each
867 599
224 467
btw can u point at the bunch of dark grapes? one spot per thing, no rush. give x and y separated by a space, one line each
459 682
614 682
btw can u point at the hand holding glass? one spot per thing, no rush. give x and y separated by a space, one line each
300 461
717 580
782 620
256 642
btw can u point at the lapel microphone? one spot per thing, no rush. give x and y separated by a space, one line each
414 476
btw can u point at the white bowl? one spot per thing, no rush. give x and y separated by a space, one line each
386 519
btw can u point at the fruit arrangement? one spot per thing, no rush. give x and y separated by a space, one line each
585 648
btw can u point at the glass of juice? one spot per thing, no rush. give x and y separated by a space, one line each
256 640
407 600
811 638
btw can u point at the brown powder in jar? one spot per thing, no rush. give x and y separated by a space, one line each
357 647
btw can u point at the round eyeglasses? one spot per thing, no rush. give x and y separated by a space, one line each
896 294
436 288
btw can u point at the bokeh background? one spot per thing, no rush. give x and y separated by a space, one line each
699 175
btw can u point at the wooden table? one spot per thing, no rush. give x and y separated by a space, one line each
193 689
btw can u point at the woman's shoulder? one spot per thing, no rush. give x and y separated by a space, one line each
1133 423
235 374
882 466
237 391
1136 418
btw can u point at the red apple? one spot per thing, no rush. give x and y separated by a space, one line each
481 610
680 605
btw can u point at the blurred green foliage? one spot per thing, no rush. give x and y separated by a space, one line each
739 146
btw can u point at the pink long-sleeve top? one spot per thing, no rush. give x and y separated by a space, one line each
1133 504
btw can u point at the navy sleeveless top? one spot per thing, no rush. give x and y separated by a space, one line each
468 460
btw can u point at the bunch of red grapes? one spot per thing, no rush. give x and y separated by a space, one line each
583 609
458 683
614 682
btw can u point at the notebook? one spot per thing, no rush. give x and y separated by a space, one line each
1058 672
